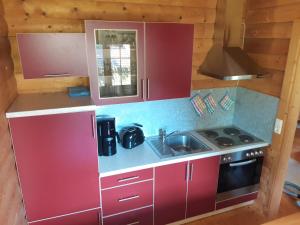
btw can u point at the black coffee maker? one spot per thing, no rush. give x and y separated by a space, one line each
106 136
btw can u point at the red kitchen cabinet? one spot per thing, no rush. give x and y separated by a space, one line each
83 218
116 61
126 178
128 197
202 186
170 193
131 61
169 50
142 216
57 162
52 54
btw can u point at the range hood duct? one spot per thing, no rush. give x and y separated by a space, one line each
230 63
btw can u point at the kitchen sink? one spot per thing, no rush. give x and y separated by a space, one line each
182 143
179 144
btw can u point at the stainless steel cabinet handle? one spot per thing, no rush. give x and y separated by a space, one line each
242 163
136 222
191 171
148 88
128 198
93 127
187 171
142 88
128 178
57 75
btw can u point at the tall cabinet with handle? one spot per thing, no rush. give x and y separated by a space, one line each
56 157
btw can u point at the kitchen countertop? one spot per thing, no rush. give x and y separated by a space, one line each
143 157
50 103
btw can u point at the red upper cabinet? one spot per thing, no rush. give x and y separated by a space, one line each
57 162
170 193
53 54
116 61
203 183
169 50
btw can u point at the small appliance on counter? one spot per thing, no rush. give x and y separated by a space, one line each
106 136
132 136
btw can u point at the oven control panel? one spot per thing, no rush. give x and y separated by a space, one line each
242 155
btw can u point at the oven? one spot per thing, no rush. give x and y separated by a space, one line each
240 173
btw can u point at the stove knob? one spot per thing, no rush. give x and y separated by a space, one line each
252 154
247 155
256 153
225 159
261 152
228 158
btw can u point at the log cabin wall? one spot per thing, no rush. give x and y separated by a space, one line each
69 15
268 33
11 208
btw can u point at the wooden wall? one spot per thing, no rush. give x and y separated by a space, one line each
268 33
11 208
69 16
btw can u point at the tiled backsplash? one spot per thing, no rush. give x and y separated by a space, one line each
255 112
174 114
179 114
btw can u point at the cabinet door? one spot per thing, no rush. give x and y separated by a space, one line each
170 193
52 55
169 50
203 182
57 162
84 218
116 61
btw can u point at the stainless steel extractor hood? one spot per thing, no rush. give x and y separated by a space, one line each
230 63
226 60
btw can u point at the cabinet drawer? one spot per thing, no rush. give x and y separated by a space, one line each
237 200
128 197
126 178
137 217
90 217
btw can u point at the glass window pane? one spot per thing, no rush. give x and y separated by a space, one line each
125 51
115 51
116 62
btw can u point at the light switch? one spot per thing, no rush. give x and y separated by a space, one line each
278 126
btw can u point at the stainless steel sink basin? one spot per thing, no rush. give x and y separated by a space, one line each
183 143
179 144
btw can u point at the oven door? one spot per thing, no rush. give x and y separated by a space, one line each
240 174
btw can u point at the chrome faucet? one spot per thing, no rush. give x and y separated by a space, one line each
163 134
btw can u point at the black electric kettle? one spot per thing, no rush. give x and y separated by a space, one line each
131 136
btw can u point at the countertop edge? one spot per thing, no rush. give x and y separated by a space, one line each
52 111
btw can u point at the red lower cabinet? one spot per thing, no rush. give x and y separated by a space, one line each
126 178
141 216
129 197
84 218
170 193
202 186
185 189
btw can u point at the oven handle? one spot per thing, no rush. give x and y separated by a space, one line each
242 163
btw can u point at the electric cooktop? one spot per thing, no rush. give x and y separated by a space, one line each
229 137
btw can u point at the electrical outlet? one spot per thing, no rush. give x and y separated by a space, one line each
278 126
